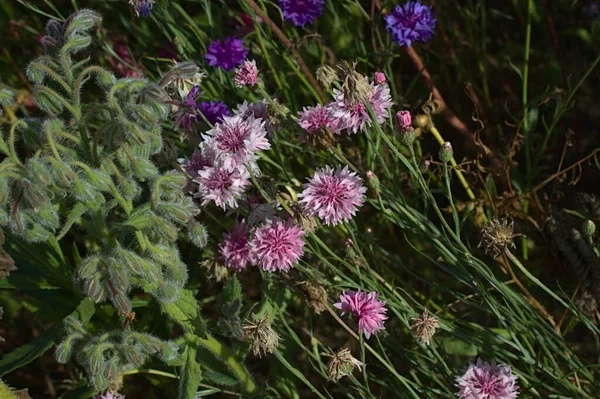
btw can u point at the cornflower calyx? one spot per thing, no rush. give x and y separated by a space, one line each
497 236
342 363
264 339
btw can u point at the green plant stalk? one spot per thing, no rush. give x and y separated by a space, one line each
297 373
454 211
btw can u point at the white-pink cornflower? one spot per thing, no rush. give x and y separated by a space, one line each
222 186
236 140
483 380
313 119
201 159
366 307
246 74
355 116
235 249
333 195
257 109
277 245
404 120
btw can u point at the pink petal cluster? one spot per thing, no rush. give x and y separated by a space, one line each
333 195
313 119
355 117
109 395
380 78
404 120
366 307
483 380
222 186
277 245
246 74
199 161
235 249
257 109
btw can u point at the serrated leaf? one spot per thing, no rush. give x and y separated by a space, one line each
190 375
185 312
220 378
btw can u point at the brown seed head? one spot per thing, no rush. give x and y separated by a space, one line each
424 327
342 363
327 76
498 235
264 339
317 295
356 86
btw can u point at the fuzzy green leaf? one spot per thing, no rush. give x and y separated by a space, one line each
191 374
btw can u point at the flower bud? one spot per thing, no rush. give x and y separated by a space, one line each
380 78
373 181
446 153
99 382
407 137
589 228
424 167
404 120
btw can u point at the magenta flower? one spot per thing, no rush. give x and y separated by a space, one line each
410 22
404 120
301 12
313 119
355 117
222 186
380 78
188 109
235 249
246 74
200 160
277 245
366 307
333 196
236 140
226 54
213 111
483 380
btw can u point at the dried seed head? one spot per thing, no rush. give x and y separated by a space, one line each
217 271
424 327
327 75
356 87
308 223
317 295
498 235
342 363
264 339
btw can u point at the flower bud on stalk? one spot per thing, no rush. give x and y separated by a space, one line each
446 152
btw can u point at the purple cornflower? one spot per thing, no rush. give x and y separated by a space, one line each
226 54
366 307
483 380
187 113
355 117
200 160
313 119
213 111
236 140
235 249
333 195
410 22
221 186
109 395
301 12
142 7
277 245
246 74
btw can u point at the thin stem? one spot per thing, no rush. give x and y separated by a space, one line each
297 373
524 88
454 211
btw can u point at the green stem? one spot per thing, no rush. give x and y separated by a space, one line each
297 373
454 211
53 75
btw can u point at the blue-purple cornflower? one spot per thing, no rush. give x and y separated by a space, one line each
410 22
301 12
142 7
188 111
213 111
592 9
226 54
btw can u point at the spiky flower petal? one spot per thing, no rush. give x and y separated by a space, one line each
278 245
410 22
222 186
366 307
483 380
246 74
235 249
355 116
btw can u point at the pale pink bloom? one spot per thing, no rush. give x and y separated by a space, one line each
333 195
201 159
366 307
483 380
355 117
404 120
257 109
278 245
246 74
235 249
380 78
222 186
236 140
313 119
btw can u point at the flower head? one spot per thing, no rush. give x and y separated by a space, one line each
278 245
366 307
235 249
483 380
109 395
200 160
226 54
264 339
213 111
141 7
327 75
313 119
246 74
236 140
222 186
380 78
317 295
257 109
301 12
498 235
342 363
333 195
424 327
187 113
410 22
404 120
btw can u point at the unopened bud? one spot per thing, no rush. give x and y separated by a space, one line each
373 181
446 152
404 120
425 165
407 137
589 228
380 78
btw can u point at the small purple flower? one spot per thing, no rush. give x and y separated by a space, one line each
277 245
221 186
187 113
226 54
410 22
142 7
313 119
483 380
246 74
201 159
235 249
213 111
366 307
301 12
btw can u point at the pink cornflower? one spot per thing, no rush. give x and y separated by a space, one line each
257 109
277 245
333 195
366 307
380 78
246 74
483 380
222 186
313 119
200 160
235 249
355 116
236 140
109 395
404 120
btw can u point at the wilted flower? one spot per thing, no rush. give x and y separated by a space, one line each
264 339
246 74
183 77
487 381
222 186
327 75
313 119
317 295
410 22
141 7
342 363
213 111
226 54
277 245
301 12
235 249
333 195
188 110
380 78
366 307
109 395
258 110
355 85
424 327
216 270
498 235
